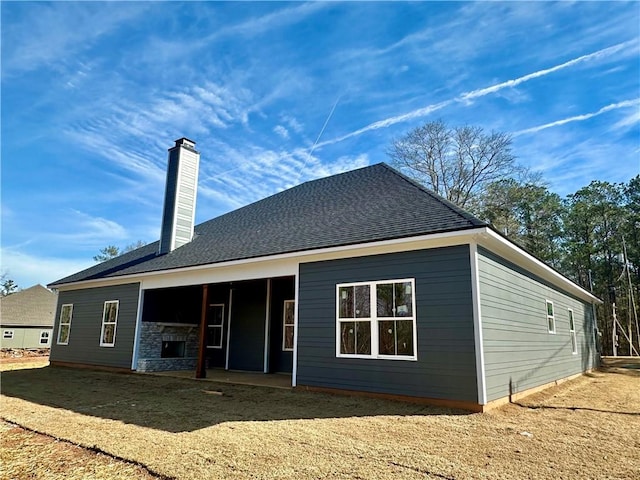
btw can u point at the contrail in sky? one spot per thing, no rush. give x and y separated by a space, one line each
481 92
579 118
325 125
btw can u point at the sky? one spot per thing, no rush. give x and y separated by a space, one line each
276 94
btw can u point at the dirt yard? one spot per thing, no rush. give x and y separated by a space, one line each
588 428
8 354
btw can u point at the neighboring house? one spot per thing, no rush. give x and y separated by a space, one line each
26 318
363 281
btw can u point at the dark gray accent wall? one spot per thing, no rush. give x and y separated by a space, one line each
519 352
446 365
281 289
86 325
248 314
170 200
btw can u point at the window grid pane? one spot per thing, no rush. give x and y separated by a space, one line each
384 300
386 338
214 336
362 301
403 299
363 338
109 330
288 337
404 337
346 302
348 337
63 335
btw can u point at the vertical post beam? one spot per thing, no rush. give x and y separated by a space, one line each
267 322
201 368
294 372
226 361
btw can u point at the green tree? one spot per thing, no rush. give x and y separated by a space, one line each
631 227
526 213
111 251
7 286
593 243
107 253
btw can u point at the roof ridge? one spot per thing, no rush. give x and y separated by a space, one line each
447 203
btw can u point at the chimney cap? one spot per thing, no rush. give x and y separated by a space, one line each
185 142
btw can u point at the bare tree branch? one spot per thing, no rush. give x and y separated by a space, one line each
457 163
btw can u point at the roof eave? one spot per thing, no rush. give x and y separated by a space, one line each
461 236
504 247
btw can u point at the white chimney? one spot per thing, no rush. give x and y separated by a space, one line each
179 213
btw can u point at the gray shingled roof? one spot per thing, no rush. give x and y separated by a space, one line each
33 307
365 205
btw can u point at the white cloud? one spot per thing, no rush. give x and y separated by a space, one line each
570 162
253 172
84 230
258 25
281 131
27 269
58 31
293 123
628 120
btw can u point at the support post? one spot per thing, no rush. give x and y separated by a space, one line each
201 368
614 337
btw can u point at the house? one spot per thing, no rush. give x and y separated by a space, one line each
26 318
363 281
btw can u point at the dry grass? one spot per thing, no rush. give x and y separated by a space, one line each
25 454
186 429
22 363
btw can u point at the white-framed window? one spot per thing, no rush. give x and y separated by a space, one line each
288 325
44 337
215 325
376 319
64 329
572 333
551 319
7 334
109 323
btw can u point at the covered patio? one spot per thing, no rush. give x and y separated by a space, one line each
218 375
217 328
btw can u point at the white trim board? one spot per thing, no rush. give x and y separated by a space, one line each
285 264
136 335
477 324
274 265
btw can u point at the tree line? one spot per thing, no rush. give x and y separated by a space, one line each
590 236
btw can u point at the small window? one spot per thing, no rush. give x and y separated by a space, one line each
8 334
109 323
376 320
44 337
572 333
64 329
215 325
551 319
288 325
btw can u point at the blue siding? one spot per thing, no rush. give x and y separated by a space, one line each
446 366
86 324
519 352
